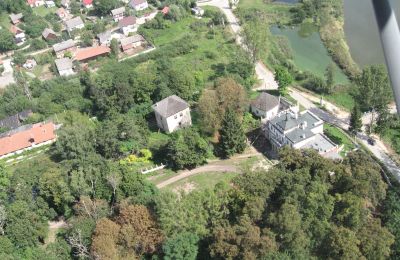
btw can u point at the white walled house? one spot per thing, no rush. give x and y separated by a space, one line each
138 5
118 14
172 113
300 131
64 66
267 106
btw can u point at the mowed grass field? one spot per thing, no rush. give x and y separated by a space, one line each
202 181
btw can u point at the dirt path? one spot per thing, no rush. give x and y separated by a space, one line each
206 168
54 226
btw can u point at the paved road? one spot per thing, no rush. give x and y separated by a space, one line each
336 116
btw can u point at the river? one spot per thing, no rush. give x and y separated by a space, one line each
362 31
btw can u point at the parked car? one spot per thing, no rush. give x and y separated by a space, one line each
371 141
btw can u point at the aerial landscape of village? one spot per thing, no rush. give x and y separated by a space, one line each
208 129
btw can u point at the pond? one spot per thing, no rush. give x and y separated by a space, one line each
362 31
308 50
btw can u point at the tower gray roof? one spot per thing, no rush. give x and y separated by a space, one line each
170 106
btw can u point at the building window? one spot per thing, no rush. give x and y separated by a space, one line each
176 116
181 114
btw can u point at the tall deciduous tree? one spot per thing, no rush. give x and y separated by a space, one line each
213 103
374 92
284 79
255 37
233 139
183 246
103 7
187 149
6 40
330 77
355 120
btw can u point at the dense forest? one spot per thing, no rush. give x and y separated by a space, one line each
305 207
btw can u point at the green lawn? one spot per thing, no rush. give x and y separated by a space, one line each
338 137
4 20
43 11
342 98
203 181
214 49
392 137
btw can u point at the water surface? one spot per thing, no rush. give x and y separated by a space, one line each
309 52
362 31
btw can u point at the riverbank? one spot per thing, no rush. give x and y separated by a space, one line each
333 36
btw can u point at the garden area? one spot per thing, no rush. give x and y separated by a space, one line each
340 138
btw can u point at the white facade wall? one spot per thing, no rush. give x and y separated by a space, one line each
318 129
68 72
141 6
174 122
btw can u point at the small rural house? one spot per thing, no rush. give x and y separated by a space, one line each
62 13
74 23
49 4
29 64
118 14
16 120
127 25
197 11
165 10
300 131
172 113
25 138
138 5
16 18
61 48
64 67
49 34
65 3
19 35
87 3
91 53
267 106
104 38
131 42
35 3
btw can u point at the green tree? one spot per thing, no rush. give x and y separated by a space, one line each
374 92
343 244
355 120
53 187
255 37
283 78
6 41
103 7
233 139
114 45
375 240
330 77
187 149
182 246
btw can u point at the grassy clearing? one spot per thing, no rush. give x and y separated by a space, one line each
342 98
43 11
338 137
4 20
203 181
214 48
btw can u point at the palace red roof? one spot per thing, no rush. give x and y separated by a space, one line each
25 136
91 52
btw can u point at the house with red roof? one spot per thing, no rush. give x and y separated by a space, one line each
91 53
165 10
35 3
87 3
25 138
